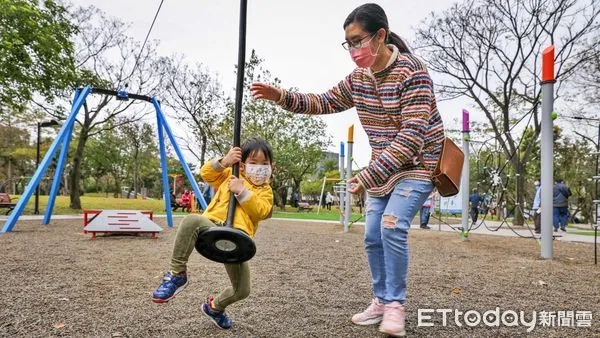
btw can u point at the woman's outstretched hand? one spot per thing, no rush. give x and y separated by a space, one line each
265 92
355 187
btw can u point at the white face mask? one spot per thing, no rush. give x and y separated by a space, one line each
258 174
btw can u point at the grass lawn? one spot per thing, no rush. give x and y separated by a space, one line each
61 205
324 215
585 233
100 201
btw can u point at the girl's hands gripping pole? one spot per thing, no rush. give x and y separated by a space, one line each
233 156
236 185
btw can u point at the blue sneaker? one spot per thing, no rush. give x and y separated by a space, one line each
219 318
170 286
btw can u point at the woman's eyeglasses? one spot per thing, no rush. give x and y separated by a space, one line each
356 43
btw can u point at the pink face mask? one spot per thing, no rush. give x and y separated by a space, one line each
363 56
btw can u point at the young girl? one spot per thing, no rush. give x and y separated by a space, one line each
255 198
393 95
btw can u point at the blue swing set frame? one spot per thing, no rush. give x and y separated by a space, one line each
63 139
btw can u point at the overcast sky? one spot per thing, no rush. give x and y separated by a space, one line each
299 40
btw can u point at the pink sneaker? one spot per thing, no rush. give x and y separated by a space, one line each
372 315
393 320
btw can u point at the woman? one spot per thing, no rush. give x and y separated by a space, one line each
393 95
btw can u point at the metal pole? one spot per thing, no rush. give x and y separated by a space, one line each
163 166
342 183
439 212
547 146
465 177
596 197
37 164
321 195
595 244
58 174
348 209
239 95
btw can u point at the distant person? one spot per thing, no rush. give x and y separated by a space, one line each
474 201
537 211
186 201
426 212
329 200
561 193
174 204
484 206
206 191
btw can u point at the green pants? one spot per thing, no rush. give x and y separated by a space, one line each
185 241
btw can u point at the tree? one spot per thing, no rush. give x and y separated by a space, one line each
298 141
585 87
196 97
106 155
489 51
575 164
36 51
142 154
312 189
16 154
105 57
128 153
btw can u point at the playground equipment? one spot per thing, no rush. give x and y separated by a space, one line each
547 157
325 180
341 187
465 177
547 150
227 244
119 222
177 182
63 139
348 209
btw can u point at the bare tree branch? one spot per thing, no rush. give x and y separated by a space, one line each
489 51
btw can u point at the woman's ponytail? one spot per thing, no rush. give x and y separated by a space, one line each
397 41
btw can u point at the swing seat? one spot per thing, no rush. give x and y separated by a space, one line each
225 245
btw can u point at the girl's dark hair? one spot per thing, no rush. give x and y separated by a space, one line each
255 144
372 18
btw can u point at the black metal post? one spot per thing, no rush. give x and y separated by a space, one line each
595 244
596 205
37 163
596 198
37 159
239 94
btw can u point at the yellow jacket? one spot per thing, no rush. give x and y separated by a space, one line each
254 204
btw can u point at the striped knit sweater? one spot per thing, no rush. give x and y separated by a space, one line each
406 91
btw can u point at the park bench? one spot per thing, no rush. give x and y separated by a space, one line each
304 206
5 202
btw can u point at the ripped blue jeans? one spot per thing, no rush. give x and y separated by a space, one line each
386 237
